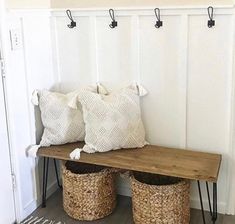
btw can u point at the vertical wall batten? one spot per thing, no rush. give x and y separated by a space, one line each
136 49
94 48
183 69
230 207
55 53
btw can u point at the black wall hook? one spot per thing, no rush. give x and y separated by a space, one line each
159 23
211 22
114 22
73 23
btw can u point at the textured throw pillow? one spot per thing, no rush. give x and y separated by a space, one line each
113 121
62 124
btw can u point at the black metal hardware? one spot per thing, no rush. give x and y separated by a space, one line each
214 212
44 182
114 23
73 23
45 179
209 198
56 172
211 22
159 23
200 196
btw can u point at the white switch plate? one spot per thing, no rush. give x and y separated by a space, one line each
16 39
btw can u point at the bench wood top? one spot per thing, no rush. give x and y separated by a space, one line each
152 159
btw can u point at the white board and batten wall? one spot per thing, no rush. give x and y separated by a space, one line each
186 67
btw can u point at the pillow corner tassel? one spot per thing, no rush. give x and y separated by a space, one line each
101 89
34 99
141 90
32 150
75 154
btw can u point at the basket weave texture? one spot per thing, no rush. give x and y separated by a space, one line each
160 200
88 191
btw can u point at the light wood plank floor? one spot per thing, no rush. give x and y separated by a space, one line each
121 215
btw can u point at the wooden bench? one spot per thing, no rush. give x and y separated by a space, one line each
199 166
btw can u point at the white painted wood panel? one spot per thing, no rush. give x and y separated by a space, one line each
160 60
75 54
209 90
209 83
114 52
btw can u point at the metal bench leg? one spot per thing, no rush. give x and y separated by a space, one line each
209 198
57 176
44 181
201 202
215 213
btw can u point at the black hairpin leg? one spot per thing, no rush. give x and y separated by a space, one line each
200 196
209 198
44 181
57 176
213 212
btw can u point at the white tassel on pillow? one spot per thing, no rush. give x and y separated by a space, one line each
75 154
101 89
34 99
139 89
32 151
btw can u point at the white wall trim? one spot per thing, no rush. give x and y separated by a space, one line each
55 53
230 207
195 203
183 70
94 48
123 11
35 203
142 12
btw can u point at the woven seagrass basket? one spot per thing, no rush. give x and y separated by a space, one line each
159 199
88 191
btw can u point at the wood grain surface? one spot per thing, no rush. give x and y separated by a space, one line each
152 159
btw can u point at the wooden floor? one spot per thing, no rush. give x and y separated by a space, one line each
121 215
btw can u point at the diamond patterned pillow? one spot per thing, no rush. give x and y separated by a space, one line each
111 122
61 123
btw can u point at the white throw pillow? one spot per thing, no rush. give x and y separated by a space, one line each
113 121
62 124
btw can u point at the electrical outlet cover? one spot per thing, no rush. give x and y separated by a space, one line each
16 39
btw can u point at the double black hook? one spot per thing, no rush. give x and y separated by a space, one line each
73 23
159 23
211 22
114 23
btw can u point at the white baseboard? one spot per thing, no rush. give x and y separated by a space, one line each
195 203
124 190
34 204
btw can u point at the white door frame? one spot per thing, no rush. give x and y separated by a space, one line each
3 50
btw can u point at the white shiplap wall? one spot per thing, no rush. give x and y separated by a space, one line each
186 67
